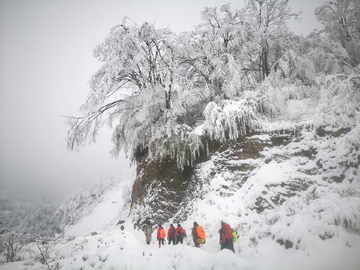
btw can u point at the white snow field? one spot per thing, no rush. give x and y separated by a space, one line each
96 241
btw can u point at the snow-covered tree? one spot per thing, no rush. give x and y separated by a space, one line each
167 96
341 20
217 55
141 91
268 21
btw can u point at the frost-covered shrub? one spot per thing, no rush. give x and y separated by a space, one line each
180 142
229 119
339 99
322 56
29 218
11 252
314 56
274 94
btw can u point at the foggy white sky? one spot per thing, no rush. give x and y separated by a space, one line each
45 64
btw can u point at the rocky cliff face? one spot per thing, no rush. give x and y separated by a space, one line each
161 189
275 182
158 190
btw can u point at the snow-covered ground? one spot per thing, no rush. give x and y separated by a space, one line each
100 244
104 216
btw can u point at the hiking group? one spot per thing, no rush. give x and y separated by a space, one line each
175 236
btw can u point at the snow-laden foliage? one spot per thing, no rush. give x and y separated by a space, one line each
216 54
340 19
140 90
23 219
165 95
136 60
229 120
320 56
153 86
271 36
339 99
12 249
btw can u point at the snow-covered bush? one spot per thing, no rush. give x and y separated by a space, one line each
229 119
339 99
29 218
11 252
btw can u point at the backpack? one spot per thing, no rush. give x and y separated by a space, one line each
162 233
200 232
228 231
235 236
181 233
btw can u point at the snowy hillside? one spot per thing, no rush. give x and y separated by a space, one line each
297 206
240 121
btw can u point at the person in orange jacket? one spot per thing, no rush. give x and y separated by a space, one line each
161 234
198 235
180 233
171 234
226 237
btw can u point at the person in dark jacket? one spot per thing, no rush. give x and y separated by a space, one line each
226 237
171 234
195 235
148 231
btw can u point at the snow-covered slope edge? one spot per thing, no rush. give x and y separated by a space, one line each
297 206
288 210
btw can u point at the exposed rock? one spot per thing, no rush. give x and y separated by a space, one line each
162 193
158 189
161 189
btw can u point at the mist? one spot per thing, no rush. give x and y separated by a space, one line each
46 62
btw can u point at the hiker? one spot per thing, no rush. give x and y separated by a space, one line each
148 231
198 235
171 234
161 234
226 237
180 234
122 227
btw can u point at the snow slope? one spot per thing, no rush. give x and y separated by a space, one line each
320 220
105 246
104 216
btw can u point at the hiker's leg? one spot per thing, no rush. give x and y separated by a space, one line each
232 247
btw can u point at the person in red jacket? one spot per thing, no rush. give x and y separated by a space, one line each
171 234
161 234
180 233
226 237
